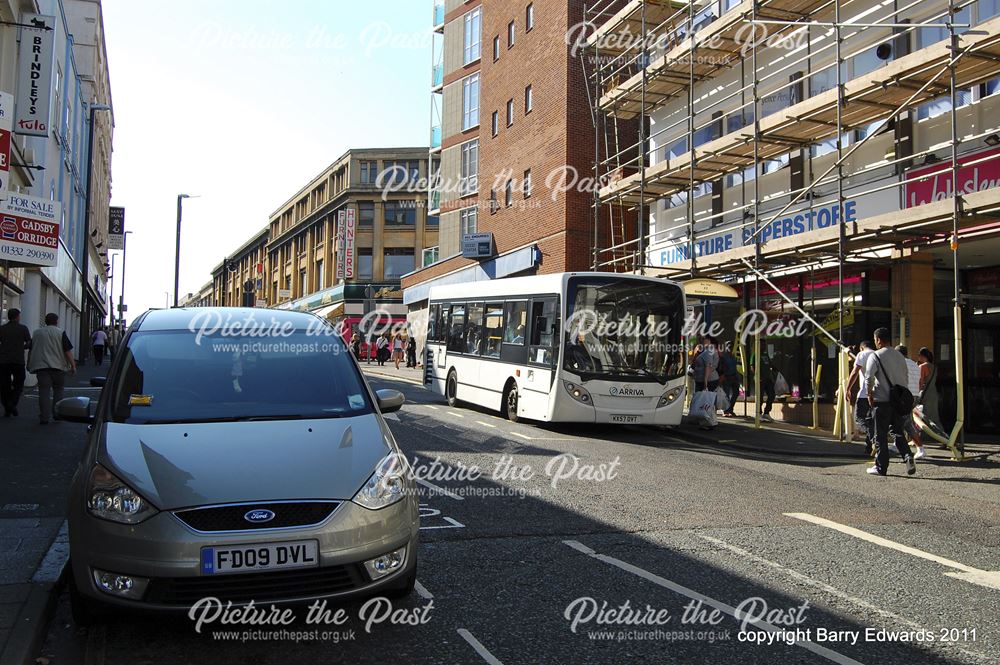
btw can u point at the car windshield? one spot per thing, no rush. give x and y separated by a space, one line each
177 377
621 328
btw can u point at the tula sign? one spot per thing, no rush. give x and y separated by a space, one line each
972 177
34 81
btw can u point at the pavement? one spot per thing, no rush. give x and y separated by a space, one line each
38 463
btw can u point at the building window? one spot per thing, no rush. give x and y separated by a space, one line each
304 281
400 213
468 220
470 102
528 100
433 220
366 213
508 194
369 172
399 172
493 202
495 125
496 48
398 261
365 263
510 34
473 35
320 276
529 17
430 255
526 184
510 112
469 182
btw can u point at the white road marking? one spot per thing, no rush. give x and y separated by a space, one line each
430 406
986 578
391 416
480 422
442 490
455 524
20 507
480 649
55 559
711 602
457 415
422 590
523 436
822 586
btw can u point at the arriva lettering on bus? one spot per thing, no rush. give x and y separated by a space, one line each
626 391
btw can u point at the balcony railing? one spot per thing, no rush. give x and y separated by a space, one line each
437 75
436 136
438 13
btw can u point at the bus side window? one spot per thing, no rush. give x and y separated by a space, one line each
544 331
515 320
456 334
494 329
432 322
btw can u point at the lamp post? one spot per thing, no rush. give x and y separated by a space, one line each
121 301
177 252
85 259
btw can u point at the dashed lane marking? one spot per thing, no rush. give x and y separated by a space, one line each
986 578
829 654
491 426
441 490
523 436
422 590
452 413
478 646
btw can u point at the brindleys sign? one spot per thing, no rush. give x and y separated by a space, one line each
971 178
793 224
6 125
341 224
29 230
34 80
349 227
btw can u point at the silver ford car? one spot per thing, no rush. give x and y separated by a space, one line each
237 454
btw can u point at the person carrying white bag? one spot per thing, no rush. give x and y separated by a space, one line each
706 382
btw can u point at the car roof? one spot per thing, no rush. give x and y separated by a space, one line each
209 318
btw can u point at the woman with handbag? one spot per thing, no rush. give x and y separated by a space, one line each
706 372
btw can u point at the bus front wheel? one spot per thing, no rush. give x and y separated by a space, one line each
451 388
509 407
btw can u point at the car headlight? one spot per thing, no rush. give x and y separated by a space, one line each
670 396
579 393
110 499
386 486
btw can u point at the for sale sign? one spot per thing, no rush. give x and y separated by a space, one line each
29 230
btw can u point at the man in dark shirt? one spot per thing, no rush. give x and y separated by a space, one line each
14 340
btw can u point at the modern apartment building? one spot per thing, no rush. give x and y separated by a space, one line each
740 174
49 157
512 142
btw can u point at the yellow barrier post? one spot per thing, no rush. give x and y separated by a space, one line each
819 373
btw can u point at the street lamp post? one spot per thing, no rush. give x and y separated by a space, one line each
121 301
177 252
85 259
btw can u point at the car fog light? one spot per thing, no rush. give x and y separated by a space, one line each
381 566
124 586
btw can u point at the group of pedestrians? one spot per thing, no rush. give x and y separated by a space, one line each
50 358
397 347
892 388
715 368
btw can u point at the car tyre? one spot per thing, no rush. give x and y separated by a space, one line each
451 388
509 406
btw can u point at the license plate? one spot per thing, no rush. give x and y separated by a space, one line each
625 419
262 556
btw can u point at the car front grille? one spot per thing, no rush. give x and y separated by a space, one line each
231 518
258 587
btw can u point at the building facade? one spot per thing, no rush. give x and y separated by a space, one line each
512 143
51 163
741 175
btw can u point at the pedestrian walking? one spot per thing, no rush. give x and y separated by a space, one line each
706 369
15 339
927 398
356 345
397 348
913 385
885 374
862 410
382 349
369 346
768 372
730 378
50 358
99 342
411 351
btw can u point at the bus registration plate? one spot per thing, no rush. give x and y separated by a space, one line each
624 419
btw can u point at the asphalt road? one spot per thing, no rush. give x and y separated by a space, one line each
533 561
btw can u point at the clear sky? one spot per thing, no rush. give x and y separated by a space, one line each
242 102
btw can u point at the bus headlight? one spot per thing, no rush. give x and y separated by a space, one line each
670 397
579 393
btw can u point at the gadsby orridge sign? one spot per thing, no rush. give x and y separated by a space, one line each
29 230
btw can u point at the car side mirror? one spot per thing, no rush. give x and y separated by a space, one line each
388 400
98 381
75 410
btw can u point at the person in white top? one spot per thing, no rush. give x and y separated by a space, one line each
862 410
99 341
884 370
913 383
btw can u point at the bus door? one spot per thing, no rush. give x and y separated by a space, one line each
543 351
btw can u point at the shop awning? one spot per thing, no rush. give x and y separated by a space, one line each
330 312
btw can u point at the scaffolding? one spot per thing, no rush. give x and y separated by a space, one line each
662 59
